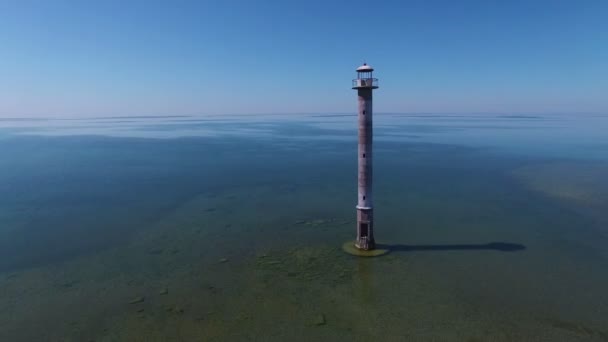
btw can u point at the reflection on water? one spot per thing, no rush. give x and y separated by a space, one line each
230 228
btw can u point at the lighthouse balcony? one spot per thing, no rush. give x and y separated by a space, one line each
365 83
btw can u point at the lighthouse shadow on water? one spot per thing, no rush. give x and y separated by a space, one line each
492 246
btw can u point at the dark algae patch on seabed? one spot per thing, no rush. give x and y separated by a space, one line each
236 239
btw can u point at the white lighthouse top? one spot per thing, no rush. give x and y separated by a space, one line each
364 78
365 68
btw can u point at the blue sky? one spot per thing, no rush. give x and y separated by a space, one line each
91 58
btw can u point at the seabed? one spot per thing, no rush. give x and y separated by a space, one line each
349 247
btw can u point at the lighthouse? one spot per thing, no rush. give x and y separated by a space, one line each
365 84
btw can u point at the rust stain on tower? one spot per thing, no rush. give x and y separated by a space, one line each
365 84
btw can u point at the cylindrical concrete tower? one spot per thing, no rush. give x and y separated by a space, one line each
365 83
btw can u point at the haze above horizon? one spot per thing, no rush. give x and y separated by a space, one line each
71 58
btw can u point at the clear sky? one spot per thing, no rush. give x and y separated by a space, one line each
91 58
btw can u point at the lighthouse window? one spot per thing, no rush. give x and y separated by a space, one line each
363 155
364 198
363 112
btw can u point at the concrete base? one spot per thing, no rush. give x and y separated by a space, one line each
350 248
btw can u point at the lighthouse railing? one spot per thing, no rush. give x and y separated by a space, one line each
365 82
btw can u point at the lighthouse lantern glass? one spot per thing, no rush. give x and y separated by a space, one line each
364 74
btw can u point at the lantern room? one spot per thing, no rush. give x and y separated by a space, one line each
364 78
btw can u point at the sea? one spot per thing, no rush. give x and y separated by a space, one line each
231 228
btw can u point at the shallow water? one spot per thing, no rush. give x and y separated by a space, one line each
230 228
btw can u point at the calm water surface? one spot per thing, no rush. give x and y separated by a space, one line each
229 228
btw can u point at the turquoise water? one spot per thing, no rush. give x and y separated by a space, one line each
229 228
